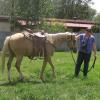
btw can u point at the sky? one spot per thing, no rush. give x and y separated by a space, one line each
96 5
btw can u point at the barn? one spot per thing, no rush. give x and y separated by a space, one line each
75 24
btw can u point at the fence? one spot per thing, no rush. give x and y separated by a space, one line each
97 37
63 47
3 35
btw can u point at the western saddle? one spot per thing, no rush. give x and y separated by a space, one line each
39 43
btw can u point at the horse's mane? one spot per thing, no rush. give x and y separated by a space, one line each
51 37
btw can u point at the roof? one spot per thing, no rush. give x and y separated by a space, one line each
69 20
4 18
73 23
78 25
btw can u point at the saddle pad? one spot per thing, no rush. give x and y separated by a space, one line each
38 34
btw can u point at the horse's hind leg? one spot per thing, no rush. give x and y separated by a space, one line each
43 68
52 66
9 67
17 65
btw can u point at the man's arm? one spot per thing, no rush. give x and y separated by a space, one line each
94 49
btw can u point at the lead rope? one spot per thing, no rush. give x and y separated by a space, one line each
73 57
93 65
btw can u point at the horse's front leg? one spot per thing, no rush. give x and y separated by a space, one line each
43 68
52 66
17 65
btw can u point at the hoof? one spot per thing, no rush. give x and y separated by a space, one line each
42 79
54 76
21 79
9 81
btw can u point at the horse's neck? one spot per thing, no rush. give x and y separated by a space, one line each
58 39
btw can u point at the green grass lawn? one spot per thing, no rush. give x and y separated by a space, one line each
64 87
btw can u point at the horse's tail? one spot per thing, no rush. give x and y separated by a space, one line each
5 51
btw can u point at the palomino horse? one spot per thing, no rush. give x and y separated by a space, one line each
18 46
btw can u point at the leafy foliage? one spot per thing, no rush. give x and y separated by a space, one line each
97 18
37 9
52 27
75 8
96 28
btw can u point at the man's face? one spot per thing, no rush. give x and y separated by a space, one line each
88 33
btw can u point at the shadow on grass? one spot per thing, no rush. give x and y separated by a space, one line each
13 83
60 80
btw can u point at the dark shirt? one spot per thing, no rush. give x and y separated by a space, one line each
88 40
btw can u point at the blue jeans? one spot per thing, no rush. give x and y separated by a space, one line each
82 57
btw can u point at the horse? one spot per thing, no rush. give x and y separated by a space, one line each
18 46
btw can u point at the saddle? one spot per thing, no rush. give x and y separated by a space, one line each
38 34
39 44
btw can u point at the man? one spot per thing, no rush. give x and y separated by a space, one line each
86 45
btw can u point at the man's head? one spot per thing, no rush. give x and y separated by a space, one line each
88 31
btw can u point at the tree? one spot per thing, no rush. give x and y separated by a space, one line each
47 9
5 7
97 18
38 9
96 28
75 8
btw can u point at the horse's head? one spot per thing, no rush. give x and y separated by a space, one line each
71 42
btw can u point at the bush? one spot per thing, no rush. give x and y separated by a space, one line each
51 27
96 29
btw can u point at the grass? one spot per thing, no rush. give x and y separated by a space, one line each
64 87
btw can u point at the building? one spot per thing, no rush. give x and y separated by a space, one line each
5 29
74 24
4 24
